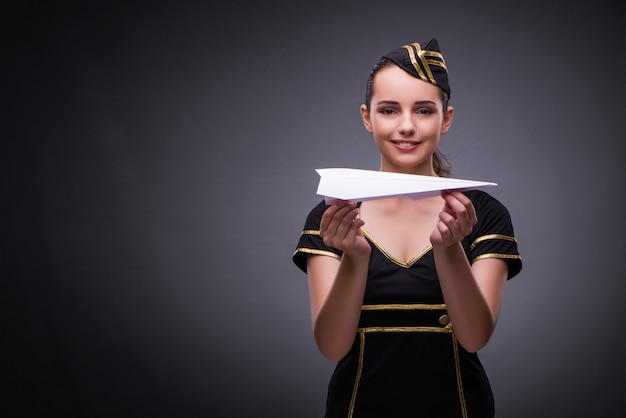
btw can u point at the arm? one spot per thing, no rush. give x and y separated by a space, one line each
337 287
473 294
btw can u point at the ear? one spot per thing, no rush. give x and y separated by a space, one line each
447 120
367 120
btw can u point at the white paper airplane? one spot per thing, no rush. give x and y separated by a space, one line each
358 185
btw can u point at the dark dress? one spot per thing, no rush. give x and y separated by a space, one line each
405 361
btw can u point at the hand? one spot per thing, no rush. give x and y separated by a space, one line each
340 229
456 219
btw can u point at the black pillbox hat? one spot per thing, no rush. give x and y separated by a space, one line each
423 61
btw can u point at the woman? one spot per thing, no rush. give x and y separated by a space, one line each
405 292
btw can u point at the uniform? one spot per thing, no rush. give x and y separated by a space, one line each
405 360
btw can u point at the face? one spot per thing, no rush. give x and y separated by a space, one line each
406 118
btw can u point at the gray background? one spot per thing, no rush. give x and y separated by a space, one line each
158 164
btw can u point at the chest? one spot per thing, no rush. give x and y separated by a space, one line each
401 231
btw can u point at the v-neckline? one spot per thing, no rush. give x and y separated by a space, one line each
390 257
387 254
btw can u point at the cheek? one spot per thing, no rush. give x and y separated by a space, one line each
434 127
380 132
382 125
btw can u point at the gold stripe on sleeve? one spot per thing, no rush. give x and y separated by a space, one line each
497 255
492 236
314 251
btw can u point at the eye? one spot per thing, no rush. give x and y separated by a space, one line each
387 111
424 111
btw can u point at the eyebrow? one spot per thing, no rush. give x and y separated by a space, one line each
418 102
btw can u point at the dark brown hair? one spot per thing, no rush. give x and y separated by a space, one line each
440 162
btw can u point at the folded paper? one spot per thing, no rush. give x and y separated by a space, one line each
358 185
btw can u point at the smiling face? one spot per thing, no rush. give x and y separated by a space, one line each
406 118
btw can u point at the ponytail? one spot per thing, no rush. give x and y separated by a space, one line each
440 164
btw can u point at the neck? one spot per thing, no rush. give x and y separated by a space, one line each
422 170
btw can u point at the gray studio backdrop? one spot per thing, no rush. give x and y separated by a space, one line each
161 165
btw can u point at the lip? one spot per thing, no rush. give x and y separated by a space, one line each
405 144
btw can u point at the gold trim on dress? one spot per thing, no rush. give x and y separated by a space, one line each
357 378
497 255
459 381
310 232
313 251
391 258
492 236
404 306
445 329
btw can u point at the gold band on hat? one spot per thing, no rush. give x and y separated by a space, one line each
426 58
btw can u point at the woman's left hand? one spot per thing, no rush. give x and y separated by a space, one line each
456 219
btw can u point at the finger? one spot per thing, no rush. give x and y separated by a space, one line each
338 224
346 234
448 224
330 214
353 232
445 232
469 206
461 206
346 223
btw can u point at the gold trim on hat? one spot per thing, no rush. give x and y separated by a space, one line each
426 59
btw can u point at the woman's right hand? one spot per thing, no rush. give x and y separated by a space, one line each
340 228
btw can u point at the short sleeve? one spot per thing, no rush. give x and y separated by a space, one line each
493 235
310 241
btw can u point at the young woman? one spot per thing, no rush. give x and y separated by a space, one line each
404 292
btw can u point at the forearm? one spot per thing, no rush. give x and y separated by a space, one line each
336 322
470 313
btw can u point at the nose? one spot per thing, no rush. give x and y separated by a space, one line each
407 125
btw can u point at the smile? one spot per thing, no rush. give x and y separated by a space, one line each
405 145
